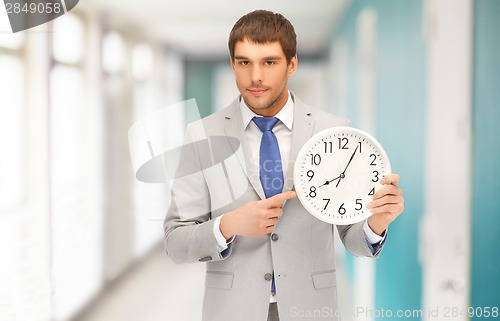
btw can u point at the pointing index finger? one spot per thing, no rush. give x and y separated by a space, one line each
278 199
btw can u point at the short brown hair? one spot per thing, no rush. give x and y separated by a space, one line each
262 26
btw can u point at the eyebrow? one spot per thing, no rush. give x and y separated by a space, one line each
264 58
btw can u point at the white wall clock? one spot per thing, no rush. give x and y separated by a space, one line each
336 173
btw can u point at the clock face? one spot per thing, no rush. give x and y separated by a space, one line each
337 172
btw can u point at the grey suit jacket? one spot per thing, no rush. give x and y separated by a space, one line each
214 177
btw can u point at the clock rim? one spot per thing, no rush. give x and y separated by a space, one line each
302 152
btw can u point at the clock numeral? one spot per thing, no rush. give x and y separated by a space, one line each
343 141
372 191
327 202
373 160
375 179
310 174
328 147
315 159
358 203
312 192
342 209
359 147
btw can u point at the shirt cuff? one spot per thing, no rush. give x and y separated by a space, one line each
221 240
371 237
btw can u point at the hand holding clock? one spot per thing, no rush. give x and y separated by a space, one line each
386 205
364 164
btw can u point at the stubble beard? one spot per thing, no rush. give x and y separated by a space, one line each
271 102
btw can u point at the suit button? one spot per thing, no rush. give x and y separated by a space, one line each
274 237
205 259
268 277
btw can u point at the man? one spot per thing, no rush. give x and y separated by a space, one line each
267 257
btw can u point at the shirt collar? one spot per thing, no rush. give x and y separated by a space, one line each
285 115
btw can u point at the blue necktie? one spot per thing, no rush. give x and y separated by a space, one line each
270 167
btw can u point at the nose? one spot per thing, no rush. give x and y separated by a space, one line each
257 74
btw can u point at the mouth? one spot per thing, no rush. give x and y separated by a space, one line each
257 91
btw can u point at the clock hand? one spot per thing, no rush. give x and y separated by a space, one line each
342 175
328 182
338 183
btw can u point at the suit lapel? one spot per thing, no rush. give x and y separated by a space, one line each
302 130
234 128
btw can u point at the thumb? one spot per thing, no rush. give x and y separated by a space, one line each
278 199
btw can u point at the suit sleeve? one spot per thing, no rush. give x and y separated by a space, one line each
188 225
354 239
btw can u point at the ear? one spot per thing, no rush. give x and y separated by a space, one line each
231 61
292 66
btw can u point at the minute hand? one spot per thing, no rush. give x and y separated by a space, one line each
342 175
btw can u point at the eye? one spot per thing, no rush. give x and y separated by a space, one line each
270 62
244 62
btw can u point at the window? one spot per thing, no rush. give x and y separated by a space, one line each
68 40
142 62
113 53
148 198
77 224
12 132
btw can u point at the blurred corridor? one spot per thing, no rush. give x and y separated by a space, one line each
81 237
145 292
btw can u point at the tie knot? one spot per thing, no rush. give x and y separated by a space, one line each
265 123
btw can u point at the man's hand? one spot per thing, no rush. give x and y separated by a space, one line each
386 204
254 218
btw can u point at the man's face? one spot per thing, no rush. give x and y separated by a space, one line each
262 73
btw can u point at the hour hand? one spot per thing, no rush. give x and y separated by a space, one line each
332 180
